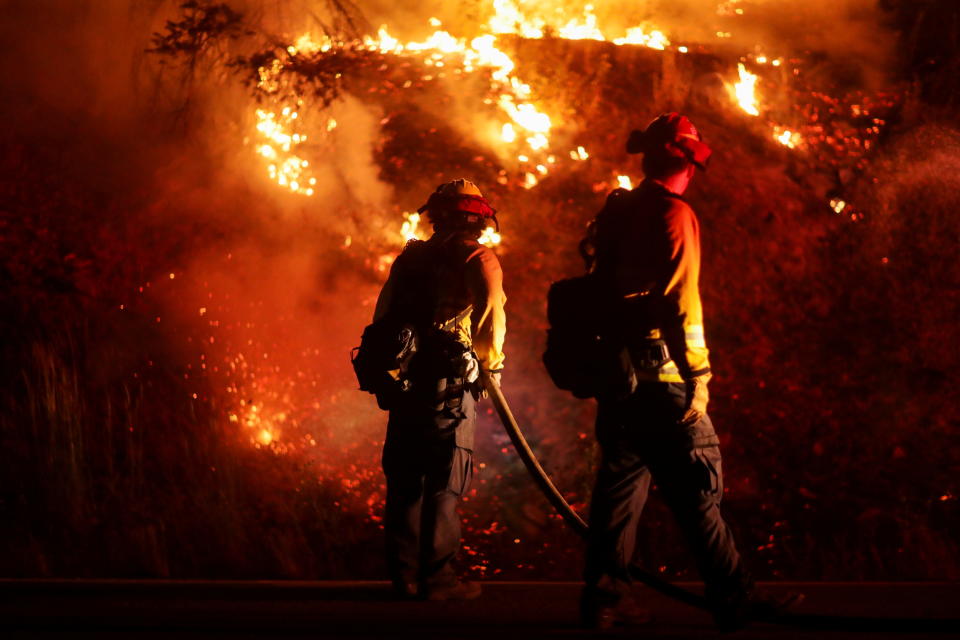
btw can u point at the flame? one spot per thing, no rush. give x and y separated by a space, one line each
409 229
579 154
263 430
655 39
278 141
490 237
507 18
525 127
582 28
746 90
786 137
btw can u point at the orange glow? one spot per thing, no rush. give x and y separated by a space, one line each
655 39
787 138
524 131
409 229
490 237
527 125
746 91
262 425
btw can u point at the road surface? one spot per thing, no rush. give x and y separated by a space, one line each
297 609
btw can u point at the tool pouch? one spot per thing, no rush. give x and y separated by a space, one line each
382 361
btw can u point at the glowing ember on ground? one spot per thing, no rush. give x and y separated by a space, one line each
838 205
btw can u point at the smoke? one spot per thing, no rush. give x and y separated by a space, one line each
271 289
840 30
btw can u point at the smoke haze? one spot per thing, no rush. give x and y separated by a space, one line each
231 377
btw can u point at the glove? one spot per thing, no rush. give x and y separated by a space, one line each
697 398
469 368
494 377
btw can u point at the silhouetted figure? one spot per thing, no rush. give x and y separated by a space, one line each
645 252
449 289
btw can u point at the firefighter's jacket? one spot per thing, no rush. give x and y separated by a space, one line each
470 298
647 250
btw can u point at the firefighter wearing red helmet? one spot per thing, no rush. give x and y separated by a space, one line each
450 288
644 249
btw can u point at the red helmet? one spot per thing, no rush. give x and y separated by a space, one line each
460 196
674 134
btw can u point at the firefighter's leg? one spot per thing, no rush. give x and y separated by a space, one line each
688 471
446 481
403 468
402 527
619 495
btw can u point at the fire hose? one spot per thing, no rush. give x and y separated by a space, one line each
573 519
569 515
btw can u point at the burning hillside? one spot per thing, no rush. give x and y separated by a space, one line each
194 250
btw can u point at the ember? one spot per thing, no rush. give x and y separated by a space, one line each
179 322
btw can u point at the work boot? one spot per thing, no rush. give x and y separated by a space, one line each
459 590
404 590
738 610
603 610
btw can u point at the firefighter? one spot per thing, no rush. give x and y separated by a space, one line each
645 251
450 287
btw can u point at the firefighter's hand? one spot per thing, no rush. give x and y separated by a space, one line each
469 367
494 376
697 398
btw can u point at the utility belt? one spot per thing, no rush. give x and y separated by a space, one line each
398 359
648 354
443 372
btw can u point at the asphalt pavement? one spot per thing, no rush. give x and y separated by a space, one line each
267 609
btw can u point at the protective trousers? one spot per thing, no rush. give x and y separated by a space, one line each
641 438
427 473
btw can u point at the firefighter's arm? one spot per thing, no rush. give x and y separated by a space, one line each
488 322
683 324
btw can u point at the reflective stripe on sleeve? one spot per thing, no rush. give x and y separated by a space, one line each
694 336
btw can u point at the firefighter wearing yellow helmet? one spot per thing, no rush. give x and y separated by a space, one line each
449 291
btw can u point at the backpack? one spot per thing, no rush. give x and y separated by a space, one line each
382 361
585 353
402 346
